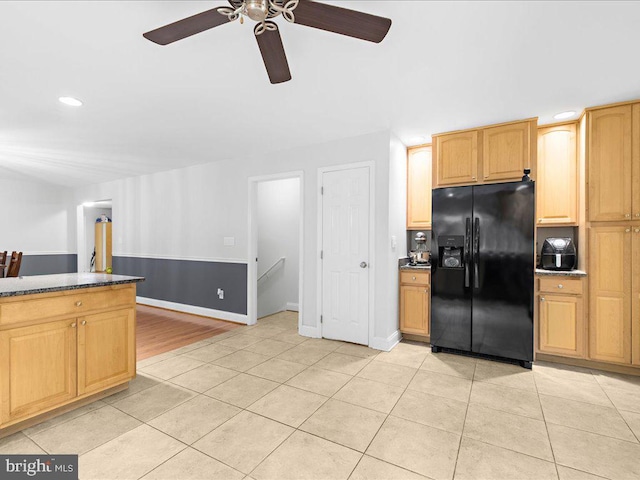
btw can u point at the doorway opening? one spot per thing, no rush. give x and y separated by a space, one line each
94 239
275 249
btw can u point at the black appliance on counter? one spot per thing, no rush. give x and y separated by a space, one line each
558 254
482 268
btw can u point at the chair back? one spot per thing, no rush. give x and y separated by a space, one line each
14 264
3 263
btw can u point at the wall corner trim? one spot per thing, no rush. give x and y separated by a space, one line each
386 344
307 331
205 312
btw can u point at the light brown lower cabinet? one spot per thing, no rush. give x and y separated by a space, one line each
635 297
561 325
106 350
51 357
610 269
415 298
38 365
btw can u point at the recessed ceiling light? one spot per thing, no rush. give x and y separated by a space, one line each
72 102
563 115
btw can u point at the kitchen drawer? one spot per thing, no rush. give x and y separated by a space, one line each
72 305
569 286
415 278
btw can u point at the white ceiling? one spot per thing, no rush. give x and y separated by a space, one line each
443 66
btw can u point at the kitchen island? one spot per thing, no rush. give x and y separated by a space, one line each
65 340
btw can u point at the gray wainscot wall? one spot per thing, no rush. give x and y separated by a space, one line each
189 282
48 264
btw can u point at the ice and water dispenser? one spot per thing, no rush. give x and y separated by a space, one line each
451 251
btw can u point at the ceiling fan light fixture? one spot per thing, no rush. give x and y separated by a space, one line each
256 10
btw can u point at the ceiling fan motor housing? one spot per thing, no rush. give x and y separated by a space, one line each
257 10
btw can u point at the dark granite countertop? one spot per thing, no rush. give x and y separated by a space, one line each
561 273
10 287
415 267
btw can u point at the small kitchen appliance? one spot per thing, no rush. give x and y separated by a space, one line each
420 255
558 254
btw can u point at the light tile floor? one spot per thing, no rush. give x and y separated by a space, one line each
262 402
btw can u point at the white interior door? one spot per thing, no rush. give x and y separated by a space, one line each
345 260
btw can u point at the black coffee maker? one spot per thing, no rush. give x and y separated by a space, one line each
558 254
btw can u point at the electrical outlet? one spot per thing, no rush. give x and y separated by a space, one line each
221 294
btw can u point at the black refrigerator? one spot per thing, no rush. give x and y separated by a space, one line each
482 266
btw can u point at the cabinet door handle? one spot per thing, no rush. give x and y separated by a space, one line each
627 215
637 214
84 322
627 230
426 290
73 325
78 303
637 230
542 299
413 278
560 285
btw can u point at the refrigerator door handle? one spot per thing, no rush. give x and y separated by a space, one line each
476 252
467 252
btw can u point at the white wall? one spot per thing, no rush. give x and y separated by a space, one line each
186 213
278 211
36 218
397 224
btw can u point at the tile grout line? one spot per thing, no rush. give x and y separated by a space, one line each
464 422
546 427
621 416
387 417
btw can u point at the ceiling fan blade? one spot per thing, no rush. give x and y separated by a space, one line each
341 20
186 27
272 50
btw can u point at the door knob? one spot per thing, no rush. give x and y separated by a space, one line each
363 264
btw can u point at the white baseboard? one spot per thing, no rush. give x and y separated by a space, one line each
294 307
205 312
307 331
386 344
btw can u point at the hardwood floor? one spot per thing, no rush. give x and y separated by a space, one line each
161 330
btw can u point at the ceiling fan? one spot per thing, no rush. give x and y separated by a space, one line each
303 12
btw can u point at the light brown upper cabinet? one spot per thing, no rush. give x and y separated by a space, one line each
495 153
419 187
507 151
456 158
614 182
557 186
